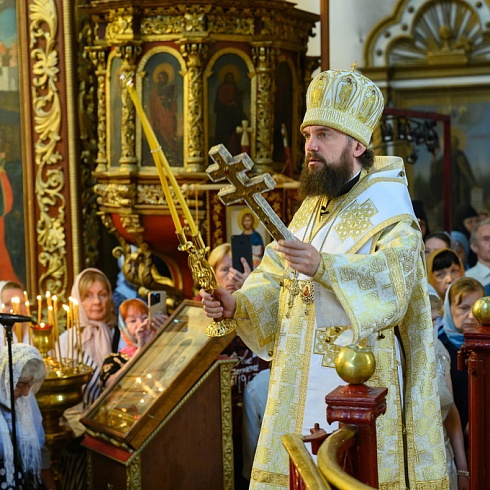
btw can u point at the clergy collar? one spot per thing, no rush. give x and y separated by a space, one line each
349 185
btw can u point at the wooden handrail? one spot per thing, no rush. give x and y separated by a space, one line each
328 456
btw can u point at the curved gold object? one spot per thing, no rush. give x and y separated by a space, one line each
355 364
481 310
220 328
304 463
328 462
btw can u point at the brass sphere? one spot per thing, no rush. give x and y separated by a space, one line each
481 310
355 364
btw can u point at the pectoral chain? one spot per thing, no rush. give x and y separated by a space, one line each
305 289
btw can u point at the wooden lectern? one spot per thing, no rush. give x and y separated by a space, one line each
166 421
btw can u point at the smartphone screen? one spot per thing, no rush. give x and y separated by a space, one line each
241 246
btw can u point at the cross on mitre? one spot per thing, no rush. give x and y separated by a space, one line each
243 188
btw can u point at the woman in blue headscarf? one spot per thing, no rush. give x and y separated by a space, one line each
458 318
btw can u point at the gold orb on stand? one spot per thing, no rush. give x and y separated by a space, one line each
355 364
481 311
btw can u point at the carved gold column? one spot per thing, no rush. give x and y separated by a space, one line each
98 55
195 53
128 162
264 58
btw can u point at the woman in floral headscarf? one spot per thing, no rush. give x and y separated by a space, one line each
28 374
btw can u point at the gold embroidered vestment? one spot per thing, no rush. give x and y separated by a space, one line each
371 278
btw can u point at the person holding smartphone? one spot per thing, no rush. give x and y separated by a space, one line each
249 364
136 329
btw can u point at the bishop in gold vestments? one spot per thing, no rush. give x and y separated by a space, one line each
369 288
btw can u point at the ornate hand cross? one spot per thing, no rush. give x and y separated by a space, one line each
242 188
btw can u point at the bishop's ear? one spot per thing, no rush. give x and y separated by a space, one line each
358 148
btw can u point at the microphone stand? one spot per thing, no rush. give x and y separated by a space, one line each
8 321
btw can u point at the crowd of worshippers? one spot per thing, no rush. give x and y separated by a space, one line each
115 325
458 273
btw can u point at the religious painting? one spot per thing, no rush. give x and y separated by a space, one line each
469 110
163 100
240 220
12 220
115 112
229 101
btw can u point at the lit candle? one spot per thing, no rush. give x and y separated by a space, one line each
39 308
76 324
2 309
16 310
15 305
72 327
26 301
67 310
28 313
57 331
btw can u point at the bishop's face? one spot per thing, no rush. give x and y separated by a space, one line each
330 161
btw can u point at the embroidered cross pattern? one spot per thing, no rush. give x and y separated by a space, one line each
324 344
243 188
355 220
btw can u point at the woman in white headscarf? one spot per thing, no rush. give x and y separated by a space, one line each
100 336
28 374
98 324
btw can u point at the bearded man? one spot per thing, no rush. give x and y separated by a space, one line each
354 275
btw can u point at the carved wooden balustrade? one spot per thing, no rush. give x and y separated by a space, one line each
347 458
475 357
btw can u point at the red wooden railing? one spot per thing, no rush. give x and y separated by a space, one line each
356 406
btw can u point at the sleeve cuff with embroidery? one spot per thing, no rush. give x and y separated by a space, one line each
321 275
240 311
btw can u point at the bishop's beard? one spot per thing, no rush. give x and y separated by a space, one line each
329 179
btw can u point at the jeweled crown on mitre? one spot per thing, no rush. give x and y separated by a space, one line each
346 101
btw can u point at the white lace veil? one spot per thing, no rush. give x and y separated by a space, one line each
27 436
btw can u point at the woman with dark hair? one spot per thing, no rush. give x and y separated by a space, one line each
437 240
444 266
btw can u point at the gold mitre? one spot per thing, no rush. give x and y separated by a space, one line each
346 101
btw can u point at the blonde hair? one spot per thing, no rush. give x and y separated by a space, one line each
218 253
461 287
89 278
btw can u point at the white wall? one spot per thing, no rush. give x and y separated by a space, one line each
350 23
